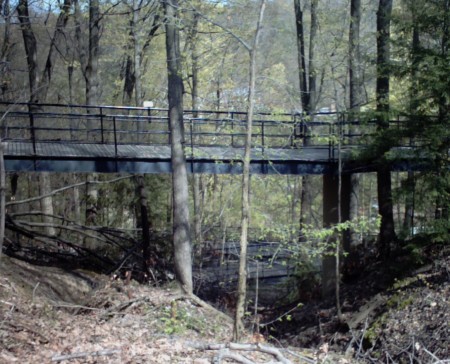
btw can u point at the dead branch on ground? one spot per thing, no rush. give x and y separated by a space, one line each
86 354
228 351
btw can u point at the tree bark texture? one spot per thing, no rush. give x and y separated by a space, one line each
354 56
355 82
383 59
36 95
385 204
304 94
198 210
238 328
45 188
307 82
30 43
6 50
143 222
58 34
91 73
2 196
181 229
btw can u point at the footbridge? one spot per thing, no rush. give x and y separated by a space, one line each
110 139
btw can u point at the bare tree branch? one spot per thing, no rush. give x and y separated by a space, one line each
54 192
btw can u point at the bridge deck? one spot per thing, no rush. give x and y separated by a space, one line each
90 157
71 138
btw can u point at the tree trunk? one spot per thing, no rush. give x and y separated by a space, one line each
91 73
307 82
181 233
2 196
385 204
144 223
312 99
91 200
408 220
46 202
193 38
355 80
304 94
30 44
242 284
76 200
36 96
61 23
137 53
5 55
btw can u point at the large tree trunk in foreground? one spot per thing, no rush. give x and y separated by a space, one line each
351 240
36 94
181 230
355 81
385 204
2 196
307 83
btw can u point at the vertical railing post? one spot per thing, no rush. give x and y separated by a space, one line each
101 125
169 130
262 136
32 129
331 140
115 136
191 127
149 115
232 129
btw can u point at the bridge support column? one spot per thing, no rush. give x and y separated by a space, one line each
331 203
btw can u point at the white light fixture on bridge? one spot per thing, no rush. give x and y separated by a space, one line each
148 104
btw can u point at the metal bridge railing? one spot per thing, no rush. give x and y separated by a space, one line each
116 125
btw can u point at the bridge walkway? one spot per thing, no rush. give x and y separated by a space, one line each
73 138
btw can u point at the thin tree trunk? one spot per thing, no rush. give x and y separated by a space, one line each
242 284
36 96
304 94
181 230
354 71
307 82
61 23
137 53
144 223
47 202
30 44
76 200
5 55
2 196
312 72
355 81
385 202
408 221
91 73
194 97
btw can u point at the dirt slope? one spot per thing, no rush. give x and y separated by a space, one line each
51 315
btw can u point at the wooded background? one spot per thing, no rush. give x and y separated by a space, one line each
371 60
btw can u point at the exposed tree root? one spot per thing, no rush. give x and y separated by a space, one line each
229 351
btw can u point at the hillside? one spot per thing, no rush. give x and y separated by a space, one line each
51 315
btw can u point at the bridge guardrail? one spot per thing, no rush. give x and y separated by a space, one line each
117 125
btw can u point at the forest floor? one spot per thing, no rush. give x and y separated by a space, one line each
48 314
396 315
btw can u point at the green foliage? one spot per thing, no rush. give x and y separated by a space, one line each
326 239
177 319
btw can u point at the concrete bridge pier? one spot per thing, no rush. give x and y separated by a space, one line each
331 202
